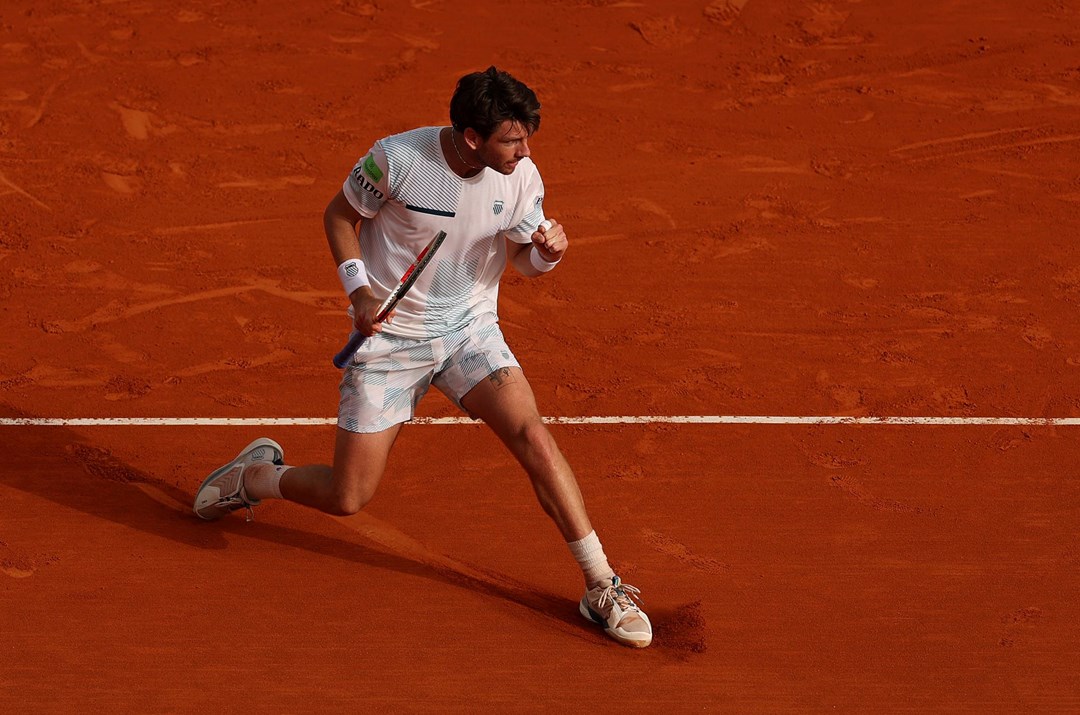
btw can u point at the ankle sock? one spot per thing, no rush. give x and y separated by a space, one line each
262 480
590 556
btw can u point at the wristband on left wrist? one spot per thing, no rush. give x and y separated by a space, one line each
539 262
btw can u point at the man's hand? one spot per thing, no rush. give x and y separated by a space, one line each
551 242
364 307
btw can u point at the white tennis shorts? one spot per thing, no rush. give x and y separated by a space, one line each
389 375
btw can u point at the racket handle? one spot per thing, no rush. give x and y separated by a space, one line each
342 358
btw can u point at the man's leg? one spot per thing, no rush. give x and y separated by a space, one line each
505 401
344 489
377 396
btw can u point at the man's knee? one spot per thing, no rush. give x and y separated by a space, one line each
349 503
536 438
352 492
346 507
359 462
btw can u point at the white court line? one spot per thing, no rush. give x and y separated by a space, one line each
624 420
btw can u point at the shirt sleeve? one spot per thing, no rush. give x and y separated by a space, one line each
529 211
368 184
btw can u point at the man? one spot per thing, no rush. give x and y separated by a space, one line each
475 181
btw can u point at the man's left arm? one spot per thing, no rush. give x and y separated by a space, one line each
548 246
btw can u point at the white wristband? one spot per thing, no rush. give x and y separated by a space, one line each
539 262
353 275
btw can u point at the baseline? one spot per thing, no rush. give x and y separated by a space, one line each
596 420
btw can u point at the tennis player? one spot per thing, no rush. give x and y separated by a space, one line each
474 180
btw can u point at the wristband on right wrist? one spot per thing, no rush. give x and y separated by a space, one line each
352 275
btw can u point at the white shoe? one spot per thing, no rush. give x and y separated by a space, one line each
611 605
223 491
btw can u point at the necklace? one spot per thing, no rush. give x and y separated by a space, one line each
453 140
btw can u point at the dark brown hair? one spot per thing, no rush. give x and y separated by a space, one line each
484 100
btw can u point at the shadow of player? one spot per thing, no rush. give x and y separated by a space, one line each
58 465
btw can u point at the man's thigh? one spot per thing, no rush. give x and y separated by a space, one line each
481 357
504 400
384 383
360 460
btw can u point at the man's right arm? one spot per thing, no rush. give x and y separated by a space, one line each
341 222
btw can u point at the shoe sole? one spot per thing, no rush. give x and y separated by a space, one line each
261 442
595 618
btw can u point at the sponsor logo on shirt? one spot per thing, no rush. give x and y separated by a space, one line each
366 185
497 207
372 168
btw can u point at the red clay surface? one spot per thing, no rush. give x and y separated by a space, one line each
775 208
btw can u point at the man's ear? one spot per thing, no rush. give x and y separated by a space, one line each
472 138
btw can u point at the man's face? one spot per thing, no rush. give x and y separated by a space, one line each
506 146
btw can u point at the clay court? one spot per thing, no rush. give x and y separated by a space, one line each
777 209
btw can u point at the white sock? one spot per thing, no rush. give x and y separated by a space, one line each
590 556
262 480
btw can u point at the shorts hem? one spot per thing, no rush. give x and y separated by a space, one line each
457 400
374 429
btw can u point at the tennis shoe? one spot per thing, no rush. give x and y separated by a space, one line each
611 604
223 491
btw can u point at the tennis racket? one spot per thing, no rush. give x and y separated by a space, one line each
403 286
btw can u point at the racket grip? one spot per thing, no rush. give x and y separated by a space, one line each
342 358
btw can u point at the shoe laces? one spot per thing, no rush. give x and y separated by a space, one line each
621 594
238 502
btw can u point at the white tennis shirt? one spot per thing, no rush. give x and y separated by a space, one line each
406 193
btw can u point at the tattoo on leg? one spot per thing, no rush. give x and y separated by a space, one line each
501 378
